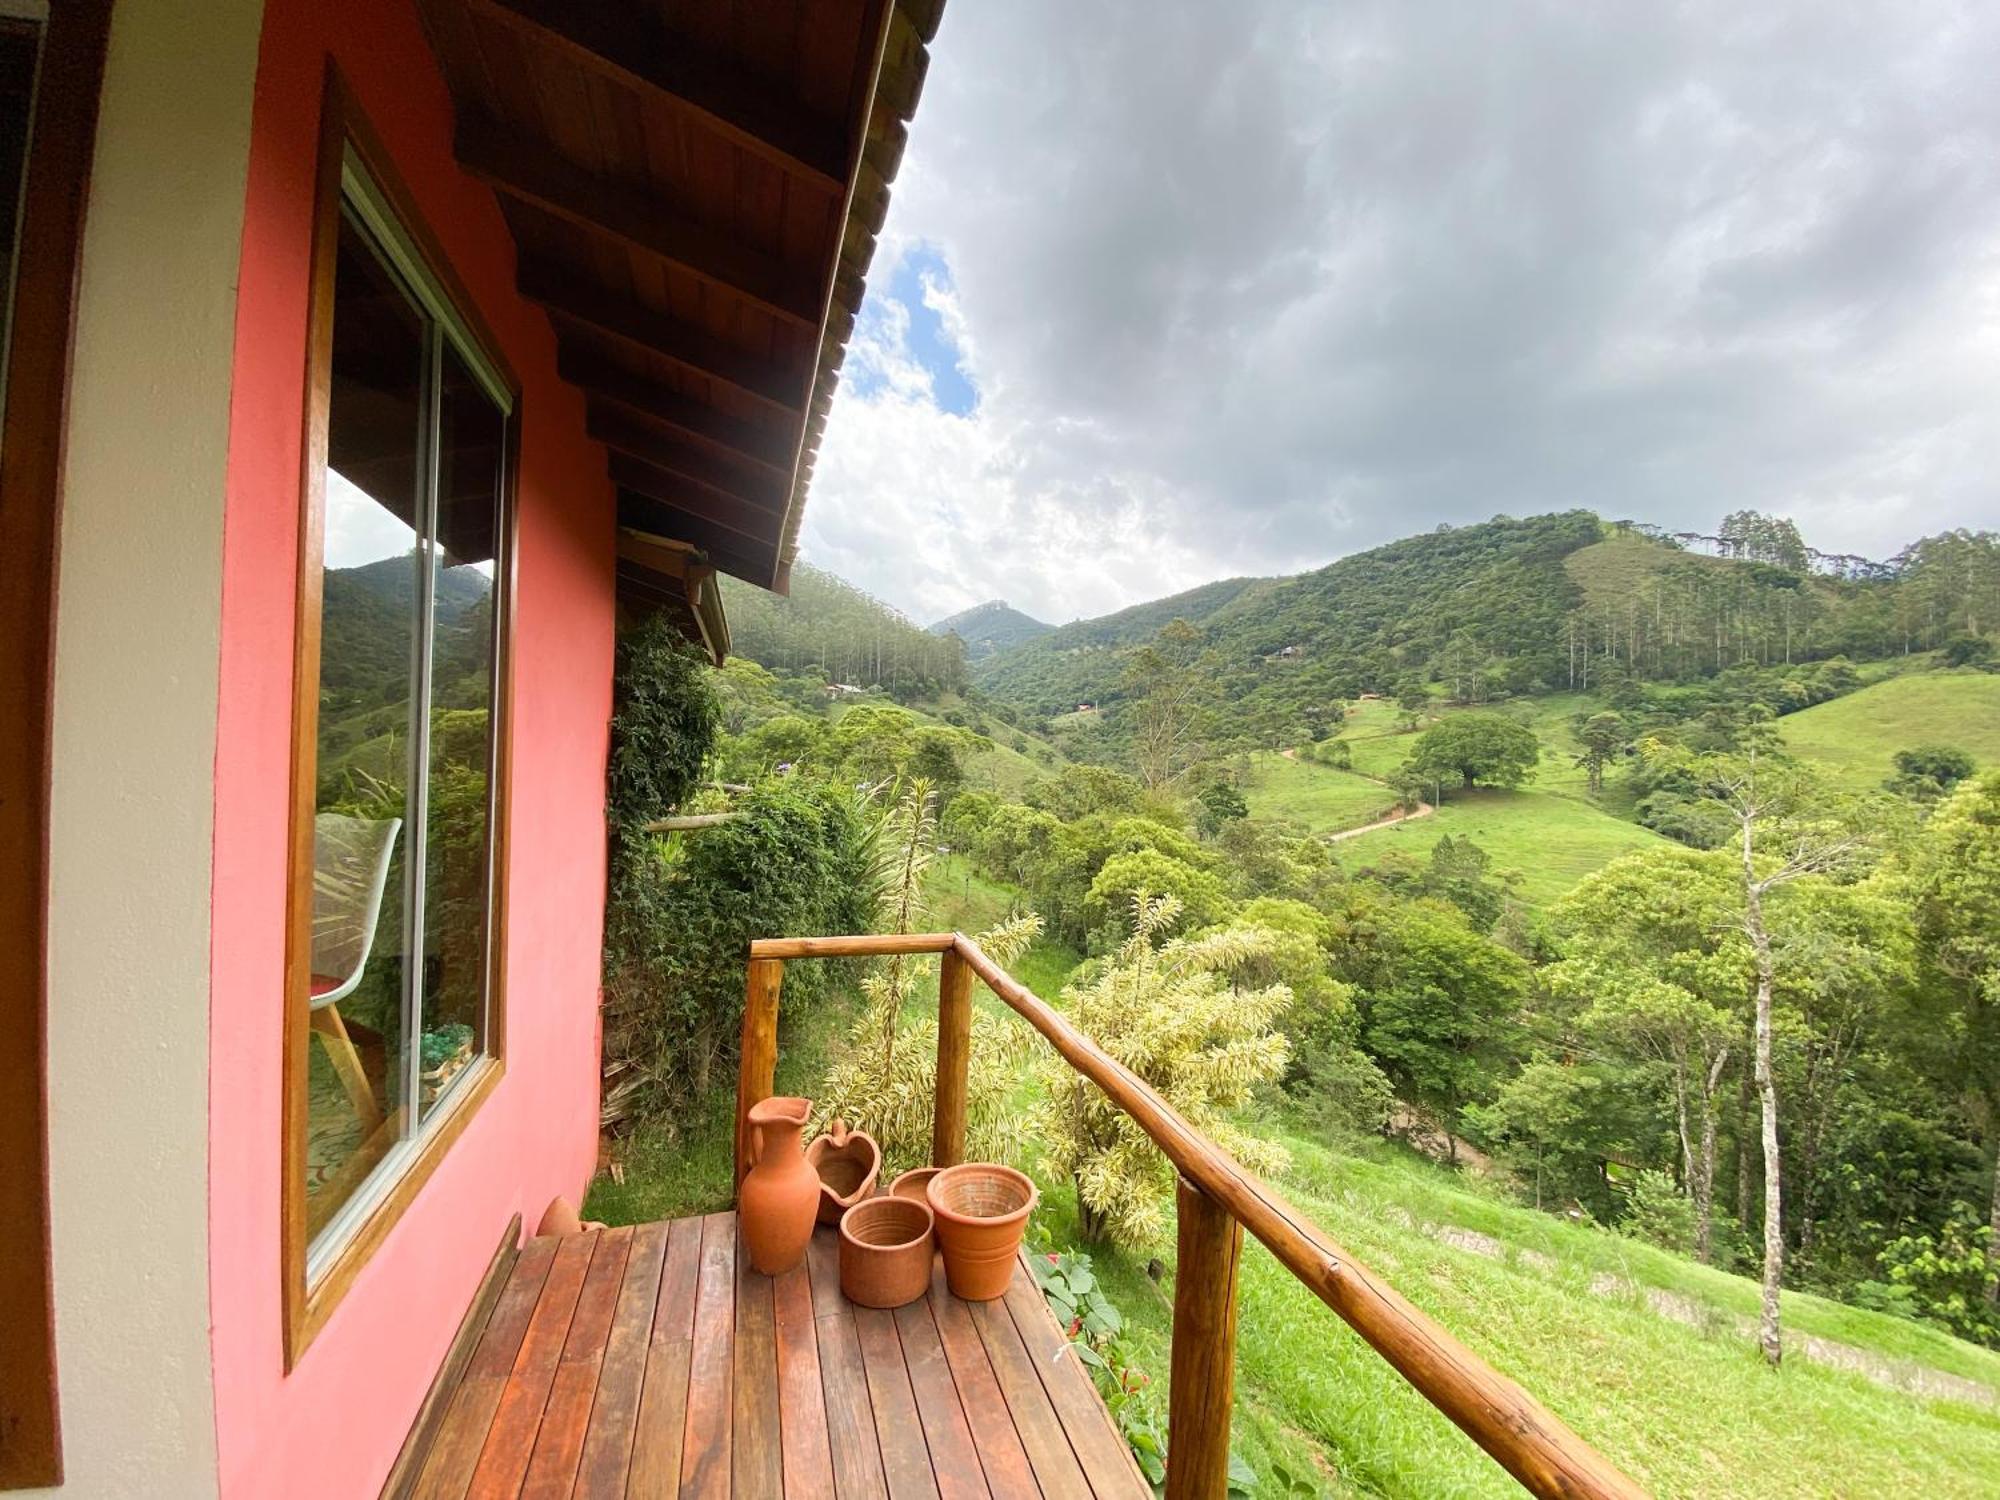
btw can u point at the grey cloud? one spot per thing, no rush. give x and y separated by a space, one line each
1297 279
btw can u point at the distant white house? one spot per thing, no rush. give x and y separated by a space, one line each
844 690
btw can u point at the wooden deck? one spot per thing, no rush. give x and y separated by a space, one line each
648 1362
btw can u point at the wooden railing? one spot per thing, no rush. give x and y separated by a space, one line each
1216 1200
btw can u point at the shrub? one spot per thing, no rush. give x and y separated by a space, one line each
1170 1014
1658 1212
793 861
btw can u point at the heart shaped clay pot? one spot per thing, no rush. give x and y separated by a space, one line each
848 1162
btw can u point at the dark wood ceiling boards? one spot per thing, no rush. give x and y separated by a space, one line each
694 188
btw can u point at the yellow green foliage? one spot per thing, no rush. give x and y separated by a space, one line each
1169 1012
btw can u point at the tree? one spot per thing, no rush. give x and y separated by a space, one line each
1438 1001
1412 703
1168 1011
1602 737
1219 802
1650 951
1477 747
1172 687
1783 834
1927 772
1956 875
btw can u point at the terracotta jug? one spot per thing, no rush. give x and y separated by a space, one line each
779 1201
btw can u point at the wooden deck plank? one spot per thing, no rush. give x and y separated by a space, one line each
808 1457
823 1265
503 1461
1041 1432
573 1393
646 1362
447 1468
674 1321
756 1451
1107 1462
1009 1474
607 1447
850 1414
705 1457
906 1462
954 1459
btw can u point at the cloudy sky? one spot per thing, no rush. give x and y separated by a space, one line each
1175 292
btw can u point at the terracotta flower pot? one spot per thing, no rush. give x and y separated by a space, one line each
913 1183
982 1211
779 1200
885 1251
848 1162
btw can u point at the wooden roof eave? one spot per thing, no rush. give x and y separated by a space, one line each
710 367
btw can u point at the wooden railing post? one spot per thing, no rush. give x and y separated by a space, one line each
954 1059
1202 1394
757 1072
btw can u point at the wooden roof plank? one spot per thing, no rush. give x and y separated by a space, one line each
733 554
531 173
618 429
602 377
723 96
605 312
751 525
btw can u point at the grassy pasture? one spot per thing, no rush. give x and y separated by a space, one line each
1318 798
1553 841
1855 737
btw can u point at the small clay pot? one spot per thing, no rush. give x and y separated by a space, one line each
778 1202
885 1251
912 1184
848 1162
981 1210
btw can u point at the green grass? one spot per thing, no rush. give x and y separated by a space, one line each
1685 1410
1552 841
1855 737
1318 798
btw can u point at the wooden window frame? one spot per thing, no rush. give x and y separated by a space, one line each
69 82
345 131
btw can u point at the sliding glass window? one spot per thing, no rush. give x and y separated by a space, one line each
394 979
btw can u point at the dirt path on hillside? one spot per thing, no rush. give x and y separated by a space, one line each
1423 809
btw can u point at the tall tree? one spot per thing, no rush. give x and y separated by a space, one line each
1783 834
1649 948
1602 737
1172 688
1957 879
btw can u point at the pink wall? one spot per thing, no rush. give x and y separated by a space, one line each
333 1426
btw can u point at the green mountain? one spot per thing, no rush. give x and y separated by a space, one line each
830 628
990 627
1509 606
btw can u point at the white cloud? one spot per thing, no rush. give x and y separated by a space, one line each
1278 282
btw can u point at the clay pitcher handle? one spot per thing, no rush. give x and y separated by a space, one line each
756 1141
837 1131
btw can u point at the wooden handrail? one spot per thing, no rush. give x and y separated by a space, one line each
1520 1434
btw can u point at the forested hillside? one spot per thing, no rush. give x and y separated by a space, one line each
990 627
828 627
1511 607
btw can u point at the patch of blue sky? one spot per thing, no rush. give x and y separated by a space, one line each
901 312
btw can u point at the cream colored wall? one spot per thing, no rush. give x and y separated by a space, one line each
134 749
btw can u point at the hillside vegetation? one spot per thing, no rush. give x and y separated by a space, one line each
990 627
1672 991
1855 737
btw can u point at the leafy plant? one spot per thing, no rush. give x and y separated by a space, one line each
1096 1333
1172 1014
887 1082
